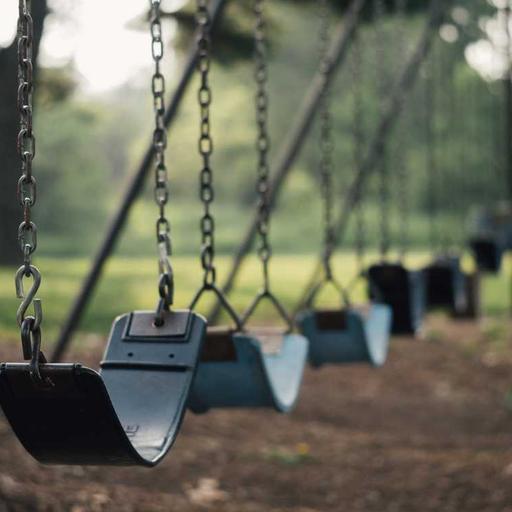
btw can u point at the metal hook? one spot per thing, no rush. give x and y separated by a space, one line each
29 298
31 342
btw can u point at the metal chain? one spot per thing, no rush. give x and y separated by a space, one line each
326 143
358 148
26 190
383 171
263 167
30 325
262 140
402 177
26 142
430 140
205 145
161 190
448 85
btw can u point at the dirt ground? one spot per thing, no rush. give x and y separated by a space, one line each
431 431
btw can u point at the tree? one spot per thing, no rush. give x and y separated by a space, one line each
9 124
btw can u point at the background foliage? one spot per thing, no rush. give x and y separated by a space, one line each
88 145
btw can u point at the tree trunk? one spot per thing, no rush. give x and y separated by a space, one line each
10 210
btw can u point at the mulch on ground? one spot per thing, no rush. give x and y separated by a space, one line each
430 431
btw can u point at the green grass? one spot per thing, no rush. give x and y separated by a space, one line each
130 283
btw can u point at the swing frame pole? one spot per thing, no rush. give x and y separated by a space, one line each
507 93
297 134
391 113
133 190
507 12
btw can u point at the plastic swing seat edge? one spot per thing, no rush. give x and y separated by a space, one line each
253 378
354 338
129 414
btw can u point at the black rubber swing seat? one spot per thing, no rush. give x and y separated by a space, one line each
488 252
403 290
347 335
260 368
446 285
491 236
128 414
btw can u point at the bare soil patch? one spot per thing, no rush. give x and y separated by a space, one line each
431 431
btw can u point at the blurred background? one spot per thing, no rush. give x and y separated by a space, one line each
93 120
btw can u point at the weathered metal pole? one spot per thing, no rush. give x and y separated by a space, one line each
118 222
391 112
507 82
508 99
298 133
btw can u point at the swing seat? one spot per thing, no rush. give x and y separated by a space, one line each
446 285
494 223
127 414
488 254
348 335
262 368
403 290
472 307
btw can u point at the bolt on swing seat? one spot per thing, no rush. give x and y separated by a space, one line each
446 284
127 414
403 290
346 335
261 367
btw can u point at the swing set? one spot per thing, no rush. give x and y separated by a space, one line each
159 363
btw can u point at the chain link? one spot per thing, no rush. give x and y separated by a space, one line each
262 140
161 187
26 142
448 86
430 148
206 192
401 143
30 325
358 148
326 143
263 167
383 171
205 148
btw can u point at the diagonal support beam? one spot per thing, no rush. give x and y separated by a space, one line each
300 129
132 192
390 115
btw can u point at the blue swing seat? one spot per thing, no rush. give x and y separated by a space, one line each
446 285
488 252
238 370
348 335
403 290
